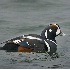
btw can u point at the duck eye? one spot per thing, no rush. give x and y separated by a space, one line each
50 24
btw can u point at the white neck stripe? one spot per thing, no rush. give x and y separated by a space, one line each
46 34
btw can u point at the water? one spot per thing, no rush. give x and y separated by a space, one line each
18 17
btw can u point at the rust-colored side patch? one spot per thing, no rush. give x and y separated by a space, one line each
23 49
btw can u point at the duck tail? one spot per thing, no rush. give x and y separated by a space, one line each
1 48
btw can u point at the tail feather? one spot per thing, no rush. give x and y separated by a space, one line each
1 48
10 47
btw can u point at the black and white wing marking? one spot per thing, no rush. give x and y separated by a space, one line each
21 38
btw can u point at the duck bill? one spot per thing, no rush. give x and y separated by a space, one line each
62 34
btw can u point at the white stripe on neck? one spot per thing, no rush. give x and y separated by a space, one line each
46 34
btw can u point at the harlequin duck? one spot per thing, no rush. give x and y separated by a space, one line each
35 43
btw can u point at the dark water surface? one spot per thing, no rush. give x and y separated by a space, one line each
18 17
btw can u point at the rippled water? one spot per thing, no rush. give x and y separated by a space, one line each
18 17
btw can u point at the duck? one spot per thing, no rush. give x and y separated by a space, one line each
35 43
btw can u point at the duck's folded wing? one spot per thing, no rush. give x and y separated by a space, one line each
21 39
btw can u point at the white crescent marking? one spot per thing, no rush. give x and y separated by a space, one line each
46 33
47 46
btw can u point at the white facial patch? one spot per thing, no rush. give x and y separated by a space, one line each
58 31
50 30
46 34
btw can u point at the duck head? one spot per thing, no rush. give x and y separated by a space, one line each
52 31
